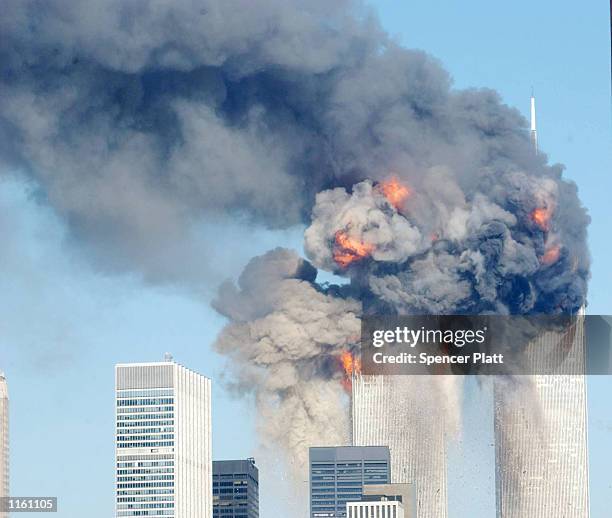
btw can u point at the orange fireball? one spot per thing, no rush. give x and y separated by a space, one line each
541 217
395 191
348 250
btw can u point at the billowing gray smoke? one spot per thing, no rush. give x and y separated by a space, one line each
284 344
140 120
503 245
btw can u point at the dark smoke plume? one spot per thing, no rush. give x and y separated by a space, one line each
140 119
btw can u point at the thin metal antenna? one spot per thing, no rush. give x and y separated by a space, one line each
534 130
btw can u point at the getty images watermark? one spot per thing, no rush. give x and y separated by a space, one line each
28 504
486 344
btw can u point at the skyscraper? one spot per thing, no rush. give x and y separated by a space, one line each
404 413
163 441
4 440
235 489
338 475
541 452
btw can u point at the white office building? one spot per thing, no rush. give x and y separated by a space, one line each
541 433
404 413
382 509
163 441
4 440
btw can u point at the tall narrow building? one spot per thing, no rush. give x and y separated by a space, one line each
163 441
541 453
235 489
404 413
4 440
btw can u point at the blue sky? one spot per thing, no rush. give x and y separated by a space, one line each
65 325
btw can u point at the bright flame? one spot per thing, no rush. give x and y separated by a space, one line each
395 191
551 255
541 217
350 365
347 250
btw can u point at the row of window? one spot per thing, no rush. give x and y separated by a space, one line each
159 444
159 512
154 437
145 471
147 463
166 498
139 485
140 423
146 401
130 492
167 414
164 429
144 478
168 505
142 410
145 393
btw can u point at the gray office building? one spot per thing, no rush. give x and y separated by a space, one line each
235 489
338 475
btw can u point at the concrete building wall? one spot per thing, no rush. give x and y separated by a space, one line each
163 441
403 413
541 434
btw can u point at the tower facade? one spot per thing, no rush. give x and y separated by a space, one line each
235 489
4 440
163 441
403 413
541 452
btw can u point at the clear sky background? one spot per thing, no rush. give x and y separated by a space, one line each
64 325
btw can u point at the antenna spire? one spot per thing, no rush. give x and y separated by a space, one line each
534 131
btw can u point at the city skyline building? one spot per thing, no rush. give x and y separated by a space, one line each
389 410
235 489
4 440
163 441
338 475
540 428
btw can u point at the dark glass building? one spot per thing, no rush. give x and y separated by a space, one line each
337 476
235 489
